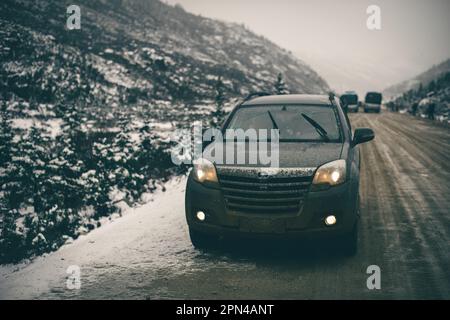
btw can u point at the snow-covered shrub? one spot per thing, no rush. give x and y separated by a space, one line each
48 185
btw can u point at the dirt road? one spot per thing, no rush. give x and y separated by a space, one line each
405 230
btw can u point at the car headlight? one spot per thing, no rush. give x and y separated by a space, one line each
204 170
331 173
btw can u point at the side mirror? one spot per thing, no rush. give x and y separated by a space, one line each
362 135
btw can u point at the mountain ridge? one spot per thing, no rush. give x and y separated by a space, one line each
170 48
423 78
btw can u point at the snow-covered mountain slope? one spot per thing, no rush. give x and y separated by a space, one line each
424 78
130 51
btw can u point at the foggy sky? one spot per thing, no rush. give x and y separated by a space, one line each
333 38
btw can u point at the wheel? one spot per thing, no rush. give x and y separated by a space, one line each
200 240
350 242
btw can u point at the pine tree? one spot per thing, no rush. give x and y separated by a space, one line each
27 168
280 85
36 148
122 162
420 90
67 163
185 91
6 136
27 174
11 239
98 180
432 86
218 114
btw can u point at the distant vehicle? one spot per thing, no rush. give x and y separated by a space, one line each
373 102
315 192
350 101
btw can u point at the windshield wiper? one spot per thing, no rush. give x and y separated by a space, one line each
320 130
275 126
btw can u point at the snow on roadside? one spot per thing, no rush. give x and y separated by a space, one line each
30 278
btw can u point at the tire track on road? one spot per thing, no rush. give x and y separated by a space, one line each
429 144
429 244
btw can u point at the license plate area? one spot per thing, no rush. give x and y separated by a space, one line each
262 225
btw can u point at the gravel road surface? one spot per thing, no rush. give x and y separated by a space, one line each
405 230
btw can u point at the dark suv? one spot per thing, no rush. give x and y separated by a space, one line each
314 191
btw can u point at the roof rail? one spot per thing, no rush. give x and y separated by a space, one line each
256 94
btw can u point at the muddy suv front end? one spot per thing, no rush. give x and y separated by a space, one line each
246 202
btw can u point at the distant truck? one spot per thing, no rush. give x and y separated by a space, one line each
372 102
350 101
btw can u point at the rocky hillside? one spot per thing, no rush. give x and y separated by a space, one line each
424 79
436 92
139 52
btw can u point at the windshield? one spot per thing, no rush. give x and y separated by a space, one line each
373 97
294 122
349 99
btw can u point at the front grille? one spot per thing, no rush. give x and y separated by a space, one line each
247 192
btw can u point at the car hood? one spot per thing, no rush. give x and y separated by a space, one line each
291 154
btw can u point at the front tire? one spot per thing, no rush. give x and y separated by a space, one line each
199 240
350 242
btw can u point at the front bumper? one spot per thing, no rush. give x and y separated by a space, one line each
307 222
352 108
372 107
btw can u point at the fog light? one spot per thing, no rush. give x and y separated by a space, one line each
330 220
201 215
